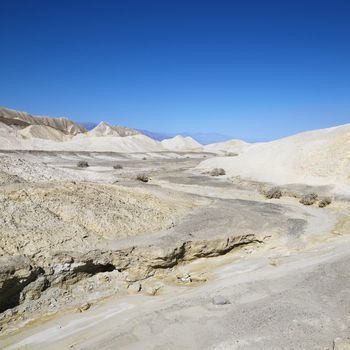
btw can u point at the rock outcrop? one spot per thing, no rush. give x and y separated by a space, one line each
16 272
28 283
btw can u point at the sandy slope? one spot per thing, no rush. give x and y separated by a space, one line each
181 143
231 146
9 137
316 157
32 170
43 132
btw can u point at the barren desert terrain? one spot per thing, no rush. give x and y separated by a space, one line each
180 246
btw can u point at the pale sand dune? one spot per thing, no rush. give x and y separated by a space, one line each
316 157
181 143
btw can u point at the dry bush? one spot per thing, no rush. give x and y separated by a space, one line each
217 172
144 158
231 154
82 164
273 192
142 177
309 199
117 166
324 202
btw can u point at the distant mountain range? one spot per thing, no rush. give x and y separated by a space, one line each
203 138
68 126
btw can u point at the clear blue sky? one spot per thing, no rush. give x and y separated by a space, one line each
250 69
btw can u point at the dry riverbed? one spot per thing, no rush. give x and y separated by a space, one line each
93 258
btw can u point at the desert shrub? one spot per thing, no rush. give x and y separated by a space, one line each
142 177
117 166
82 164
217 172
144 158
231 154
273 192
324 202
309 199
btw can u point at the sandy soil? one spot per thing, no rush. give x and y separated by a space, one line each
233 270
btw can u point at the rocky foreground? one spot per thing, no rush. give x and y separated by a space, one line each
95 258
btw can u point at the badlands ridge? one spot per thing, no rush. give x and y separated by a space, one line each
316 157
20 130
112 240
